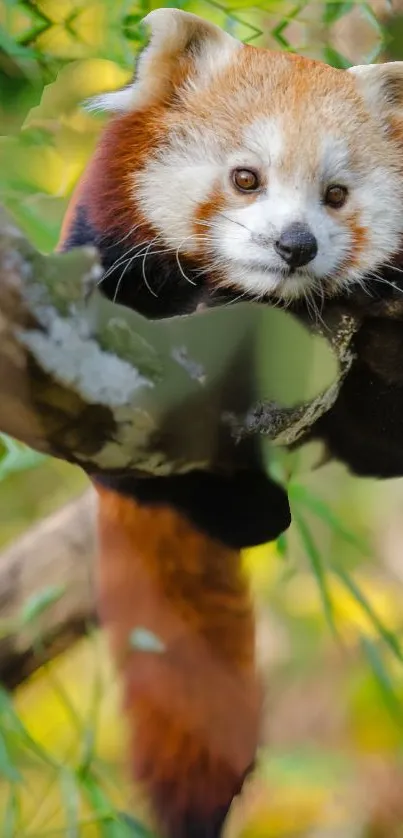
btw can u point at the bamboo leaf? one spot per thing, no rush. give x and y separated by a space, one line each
38 603
388 636
318 570
383 679
7 768
302 495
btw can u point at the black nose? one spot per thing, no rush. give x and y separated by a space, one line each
297 245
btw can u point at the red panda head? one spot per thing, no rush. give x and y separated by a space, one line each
275 174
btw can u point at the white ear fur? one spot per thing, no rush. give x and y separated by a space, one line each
175 35
381 85
115 101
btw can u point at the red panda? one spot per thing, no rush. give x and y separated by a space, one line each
224 170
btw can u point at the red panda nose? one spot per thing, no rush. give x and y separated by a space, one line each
297 245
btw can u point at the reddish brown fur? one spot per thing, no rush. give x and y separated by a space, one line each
128 139
194 709
203 214
125 140
70 213
255 98
359 238
207 209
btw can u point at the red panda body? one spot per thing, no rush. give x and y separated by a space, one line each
193 706
236 171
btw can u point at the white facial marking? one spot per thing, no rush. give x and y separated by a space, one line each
295 194
265 137
176 183
296 163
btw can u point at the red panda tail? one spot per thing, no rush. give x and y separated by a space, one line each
177 609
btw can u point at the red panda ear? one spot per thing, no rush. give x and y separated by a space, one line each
381 85
183 48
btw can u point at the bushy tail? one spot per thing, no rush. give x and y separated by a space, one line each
177 609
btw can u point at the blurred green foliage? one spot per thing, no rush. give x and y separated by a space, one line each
329 593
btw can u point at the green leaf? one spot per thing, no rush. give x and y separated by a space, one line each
10 721
282 545
11 47
137 830
317 568
38 603
336 59
111 824
387 635
333 11
383 679
7 768
71 800
10 820
17 457
302 495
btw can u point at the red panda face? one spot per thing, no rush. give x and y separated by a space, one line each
276 174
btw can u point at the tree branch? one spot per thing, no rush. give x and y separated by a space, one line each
99 385
56 553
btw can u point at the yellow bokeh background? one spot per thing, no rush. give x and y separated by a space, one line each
305 782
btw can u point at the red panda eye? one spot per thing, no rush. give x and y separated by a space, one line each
335 196
246 180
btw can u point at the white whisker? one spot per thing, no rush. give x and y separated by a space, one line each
180 266
115 296
144 272
120 260
124 238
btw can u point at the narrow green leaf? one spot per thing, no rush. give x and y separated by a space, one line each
282 545
40 602
8 770
11 47
136 829
71 799
91 723
383 679
333 11
110 824
10 820
323 511
9 719
387 635
317 568
336 59
17 457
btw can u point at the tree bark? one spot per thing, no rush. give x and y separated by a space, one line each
56 553
100 386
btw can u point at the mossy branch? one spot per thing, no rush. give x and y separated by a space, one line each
98 385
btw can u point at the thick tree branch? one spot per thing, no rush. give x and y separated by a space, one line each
56 553
100 386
